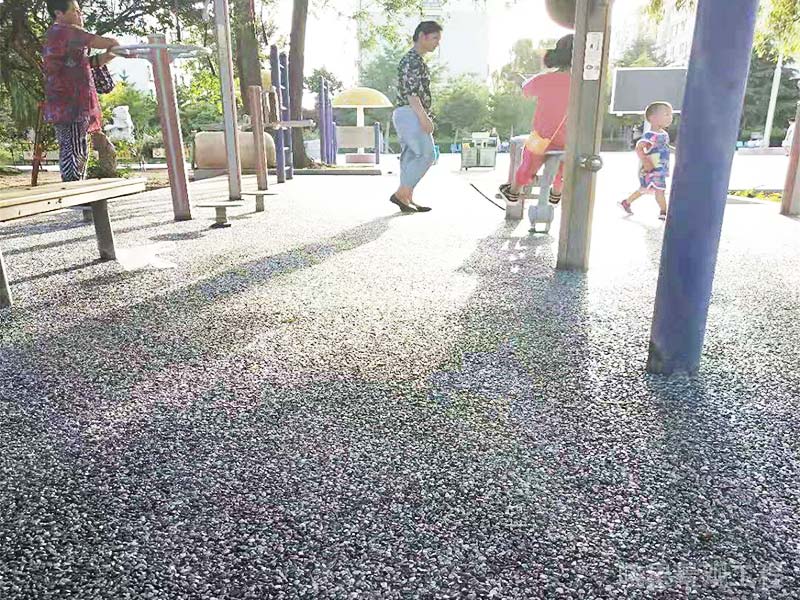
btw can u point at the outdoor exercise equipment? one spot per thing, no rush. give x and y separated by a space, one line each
222 24
360 136
542 213
160 54
584 127
790 205
720 60
327 126
256 98
284 157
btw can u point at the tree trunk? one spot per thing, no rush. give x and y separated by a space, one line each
106 155
247 58
297 45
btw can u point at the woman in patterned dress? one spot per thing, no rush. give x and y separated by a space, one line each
413 117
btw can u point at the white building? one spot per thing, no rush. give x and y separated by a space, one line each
630 23
675 33
465 44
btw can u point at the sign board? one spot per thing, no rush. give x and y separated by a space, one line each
593 56
635 88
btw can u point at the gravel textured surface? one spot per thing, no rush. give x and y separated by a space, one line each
329 400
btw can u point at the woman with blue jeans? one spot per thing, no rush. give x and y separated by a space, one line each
412 119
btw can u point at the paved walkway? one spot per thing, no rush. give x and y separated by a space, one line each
330 400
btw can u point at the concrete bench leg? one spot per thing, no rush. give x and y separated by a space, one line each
88 214
221 220
102 228
5 289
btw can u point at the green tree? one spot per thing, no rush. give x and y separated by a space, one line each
526 60
756 101
462 107
141 105
200 101
511 113
641 53
312 82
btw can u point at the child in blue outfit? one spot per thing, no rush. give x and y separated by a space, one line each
653 150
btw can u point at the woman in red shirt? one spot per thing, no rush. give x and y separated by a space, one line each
71 103
549 122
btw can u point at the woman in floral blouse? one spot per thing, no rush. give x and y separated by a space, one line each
71 103
412 117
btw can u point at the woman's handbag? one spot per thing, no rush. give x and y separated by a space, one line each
103 81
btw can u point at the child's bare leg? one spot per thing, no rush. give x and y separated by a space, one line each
662 201
634 196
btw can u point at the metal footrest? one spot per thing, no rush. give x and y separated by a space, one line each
221 211
540 214
259 196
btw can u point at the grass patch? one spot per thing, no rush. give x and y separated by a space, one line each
758 195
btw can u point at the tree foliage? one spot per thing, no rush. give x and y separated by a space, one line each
756 102
461 107
642 53
527 59
510 112
312 82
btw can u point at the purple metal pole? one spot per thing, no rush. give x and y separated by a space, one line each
280 147
712 106
286 115
170 128
377 128
321 121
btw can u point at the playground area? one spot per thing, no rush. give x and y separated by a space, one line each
331 399
274 378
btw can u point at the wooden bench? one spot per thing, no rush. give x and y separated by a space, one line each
24 202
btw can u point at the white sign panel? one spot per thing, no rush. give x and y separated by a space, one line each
593 56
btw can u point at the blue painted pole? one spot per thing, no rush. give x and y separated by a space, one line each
323 143
377 129
280 144
283 61
712 107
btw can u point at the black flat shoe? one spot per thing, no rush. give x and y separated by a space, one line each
422 208
403 207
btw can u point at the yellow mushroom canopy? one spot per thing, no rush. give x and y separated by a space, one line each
361 97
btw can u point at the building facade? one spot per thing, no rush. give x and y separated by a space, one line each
675 33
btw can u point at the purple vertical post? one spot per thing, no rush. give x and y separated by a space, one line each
323 146
280 147
377 128
286 115
712 107
332 149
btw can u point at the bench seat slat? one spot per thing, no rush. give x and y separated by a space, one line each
47 201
